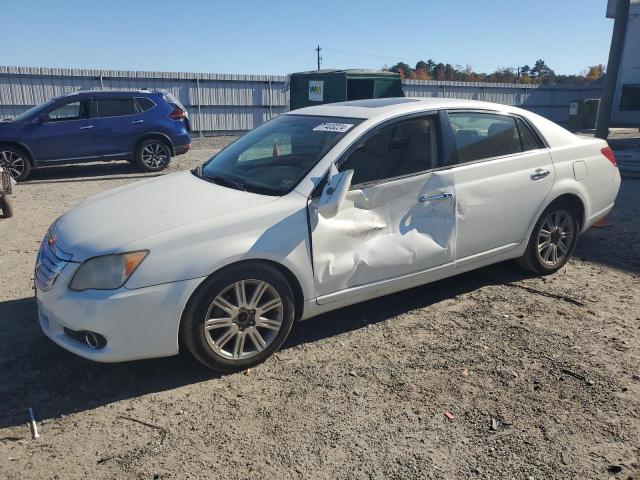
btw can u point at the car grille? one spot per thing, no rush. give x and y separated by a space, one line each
51 261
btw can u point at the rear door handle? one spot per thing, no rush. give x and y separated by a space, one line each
137 121
87 127
539 174
431 198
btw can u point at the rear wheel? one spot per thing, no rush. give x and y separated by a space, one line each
238 317
16 163
6 206
152 155
552 241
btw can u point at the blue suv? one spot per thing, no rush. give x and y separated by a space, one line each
147 128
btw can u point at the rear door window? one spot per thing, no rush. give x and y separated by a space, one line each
484 135
115 107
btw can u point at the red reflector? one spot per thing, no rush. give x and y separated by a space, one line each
607 152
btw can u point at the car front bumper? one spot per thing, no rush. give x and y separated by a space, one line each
137 324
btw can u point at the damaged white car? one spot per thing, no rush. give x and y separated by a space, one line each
319 208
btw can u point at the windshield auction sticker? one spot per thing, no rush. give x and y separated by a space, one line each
333 127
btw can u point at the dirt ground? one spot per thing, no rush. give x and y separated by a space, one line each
540 377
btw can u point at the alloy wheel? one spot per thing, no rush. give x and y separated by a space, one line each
13 162
155 155
243 319
555 237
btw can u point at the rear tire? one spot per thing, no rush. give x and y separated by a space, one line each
152 155
238 317
6 205
552 241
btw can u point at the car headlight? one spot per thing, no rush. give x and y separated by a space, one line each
107 272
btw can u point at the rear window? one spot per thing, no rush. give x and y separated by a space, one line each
115 107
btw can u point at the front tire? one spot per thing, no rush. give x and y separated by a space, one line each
238 317
152 155
15 162
6 206
552 241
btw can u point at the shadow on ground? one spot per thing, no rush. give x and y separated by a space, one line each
84 172
34 372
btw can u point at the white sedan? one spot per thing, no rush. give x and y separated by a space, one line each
319 208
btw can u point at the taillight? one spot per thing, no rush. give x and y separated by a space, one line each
607 152
177 113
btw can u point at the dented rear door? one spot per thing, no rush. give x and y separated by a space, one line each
385 230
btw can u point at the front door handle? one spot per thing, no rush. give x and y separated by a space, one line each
137 121
539 174
439 196
86 127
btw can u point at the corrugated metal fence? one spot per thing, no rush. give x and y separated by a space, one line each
233 103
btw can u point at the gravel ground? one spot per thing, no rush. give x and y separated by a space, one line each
491 374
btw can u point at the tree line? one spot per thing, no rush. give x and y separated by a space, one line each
539 73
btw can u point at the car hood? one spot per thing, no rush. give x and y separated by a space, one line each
109 221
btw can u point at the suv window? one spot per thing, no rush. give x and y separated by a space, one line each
114 107
144 104
400 149
484 135
74 110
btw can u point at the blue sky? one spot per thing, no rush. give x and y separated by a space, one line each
278 37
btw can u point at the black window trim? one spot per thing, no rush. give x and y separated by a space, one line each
374 130
622 96
542 143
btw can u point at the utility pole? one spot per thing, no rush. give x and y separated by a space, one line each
613 68
317 49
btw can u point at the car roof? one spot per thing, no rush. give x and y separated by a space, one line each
384 106
108 93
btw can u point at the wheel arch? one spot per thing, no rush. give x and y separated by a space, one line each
22 147
575 203
153 136
292 280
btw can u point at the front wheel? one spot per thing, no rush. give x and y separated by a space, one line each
152 155
15 162
552 241
6 205
238 317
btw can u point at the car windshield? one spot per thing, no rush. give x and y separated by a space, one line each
26 114
275 157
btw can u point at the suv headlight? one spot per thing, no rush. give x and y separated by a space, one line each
107 272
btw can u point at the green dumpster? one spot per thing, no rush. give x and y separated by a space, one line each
327 86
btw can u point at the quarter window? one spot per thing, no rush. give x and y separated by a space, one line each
115 107
484 135
77 110
400 149
145 104
529 140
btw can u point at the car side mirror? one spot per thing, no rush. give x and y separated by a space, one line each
334 192
44 118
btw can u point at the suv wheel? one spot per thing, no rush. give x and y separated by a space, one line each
238 317
152 155
16 163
